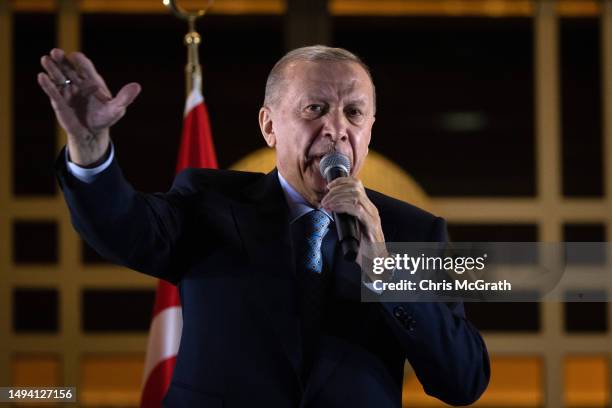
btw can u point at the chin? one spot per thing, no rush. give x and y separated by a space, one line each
315 191
318 185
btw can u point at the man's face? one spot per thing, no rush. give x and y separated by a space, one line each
322 107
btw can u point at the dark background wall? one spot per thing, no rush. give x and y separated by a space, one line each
455 110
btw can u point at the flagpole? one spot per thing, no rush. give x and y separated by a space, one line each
193 69
196 150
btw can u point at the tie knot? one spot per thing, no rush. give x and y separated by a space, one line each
316 223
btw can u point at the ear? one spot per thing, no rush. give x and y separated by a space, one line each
265 124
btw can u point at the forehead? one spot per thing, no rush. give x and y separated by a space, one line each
327 77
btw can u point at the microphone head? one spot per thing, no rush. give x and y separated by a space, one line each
334 160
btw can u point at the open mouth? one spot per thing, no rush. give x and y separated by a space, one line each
314 160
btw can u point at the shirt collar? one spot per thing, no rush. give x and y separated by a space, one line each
298 206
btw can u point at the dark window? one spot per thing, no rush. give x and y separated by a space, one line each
35 242
584 232
33 118
581 107
493 232
586 316
35 310
504 316
109 310
582 315
586 243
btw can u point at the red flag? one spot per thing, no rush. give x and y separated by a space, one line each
196 150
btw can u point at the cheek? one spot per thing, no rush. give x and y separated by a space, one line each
359 146
289 155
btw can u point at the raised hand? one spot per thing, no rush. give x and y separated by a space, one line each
83 105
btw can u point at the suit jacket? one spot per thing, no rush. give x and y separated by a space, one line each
223 237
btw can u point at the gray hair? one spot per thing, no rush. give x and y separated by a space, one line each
313 53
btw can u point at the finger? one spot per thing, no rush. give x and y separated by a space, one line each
87 70
339 181
67 68
354 187
57 100
340 208
347 208
83 64
126 95
346 185
71 73
342 191
337 194
54 73
57 54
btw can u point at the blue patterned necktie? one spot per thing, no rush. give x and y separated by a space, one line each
312 280
316 224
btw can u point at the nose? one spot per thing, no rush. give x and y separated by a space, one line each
336 126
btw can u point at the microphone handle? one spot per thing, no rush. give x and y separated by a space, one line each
348 235
346 224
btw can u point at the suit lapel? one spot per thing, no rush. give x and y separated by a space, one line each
263 223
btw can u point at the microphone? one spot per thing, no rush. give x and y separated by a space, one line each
332 166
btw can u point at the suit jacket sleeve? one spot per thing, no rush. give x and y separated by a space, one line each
125 226
445 350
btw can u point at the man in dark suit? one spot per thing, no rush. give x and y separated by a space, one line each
272 315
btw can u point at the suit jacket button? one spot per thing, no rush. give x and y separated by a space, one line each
409 323
399 312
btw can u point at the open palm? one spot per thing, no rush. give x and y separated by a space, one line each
82 102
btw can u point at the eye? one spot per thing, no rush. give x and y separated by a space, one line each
353 112
315 108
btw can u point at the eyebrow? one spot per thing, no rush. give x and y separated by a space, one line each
356 101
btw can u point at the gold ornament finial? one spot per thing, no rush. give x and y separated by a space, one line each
186 14
193 70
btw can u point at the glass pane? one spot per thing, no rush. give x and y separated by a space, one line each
111 380
35 310
117 310
515 382
581 107
33 120
35 242
584 232
586 317
493 232
586 381
593 254
37 370
504 316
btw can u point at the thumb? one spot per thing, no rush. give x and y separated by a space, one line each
126 95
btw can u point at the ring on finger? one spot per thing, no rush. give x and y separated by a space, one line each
64 84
